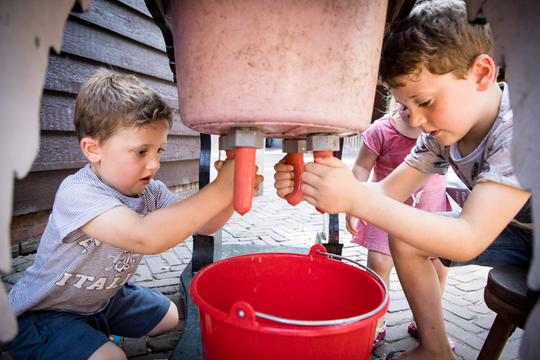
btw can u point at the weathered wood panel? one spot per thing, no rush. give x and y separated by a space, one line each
57 115
60 150
103 46
125 21
68 74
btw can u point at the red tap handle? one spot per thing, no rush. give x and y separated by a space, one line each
317 154
244 174
229 154
297 161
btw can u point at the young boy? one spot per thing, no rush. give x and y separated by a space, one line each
440 67
104 218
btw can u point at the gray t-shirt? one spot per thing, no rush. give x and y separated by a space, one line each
72 271
491 161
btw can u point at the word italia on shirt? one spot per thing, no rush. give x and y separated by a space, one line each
82 281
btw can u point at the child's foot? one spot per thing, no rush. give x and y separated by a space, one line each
416 353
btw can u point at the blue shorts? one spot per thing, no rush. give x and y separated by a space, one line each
133 312
513 246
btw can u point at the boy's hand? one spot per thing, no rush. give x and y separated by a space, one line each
225 170
257 180
329 185
284 178
225 177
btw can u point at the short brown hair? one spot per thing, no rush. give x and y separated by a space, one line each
108 102
438 35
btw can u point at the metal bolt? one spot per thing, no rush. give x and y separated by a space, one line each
241 313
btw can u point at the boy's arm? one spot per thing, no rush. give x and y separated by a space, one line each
329 183
218 221
489 208
164 228
365 161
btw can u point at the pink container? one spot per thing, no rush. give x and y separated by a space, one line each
287 306
288 67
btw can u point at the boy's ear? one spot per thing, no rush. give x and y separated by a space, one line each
90 149
484 71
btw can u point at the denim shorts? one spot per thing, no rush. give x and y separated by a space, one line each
513 246
46 334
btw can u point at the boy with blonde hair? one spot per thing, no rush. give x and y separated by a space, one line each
104 219
441 68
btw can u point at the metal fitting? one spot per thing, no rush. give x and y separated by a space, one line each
294 146
224 143
323 142
246 137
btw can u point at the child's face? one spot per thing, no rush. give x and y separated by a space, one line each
441 105
130 158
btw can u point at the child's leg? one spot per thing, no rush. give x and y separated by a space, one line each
168 323
59 335
135 311
382 264
108 351
421 286
442 273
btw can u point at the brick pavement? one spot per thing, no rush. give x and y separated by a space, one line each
272 221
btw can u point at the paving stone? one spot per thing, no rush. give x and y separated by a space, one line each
13 278
158 283
134 347
182 252
171 258
481 308
464 351
460 311
399 318
168 275
398 305
485 321
179 267
269 241
156 264
456 332
474 296
460 322
164 342
456 300
473 285
143 273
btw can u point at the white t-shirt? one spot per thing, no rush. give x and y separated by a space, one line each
72 271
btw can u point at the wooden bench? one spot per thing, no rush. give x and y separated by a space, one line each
506 294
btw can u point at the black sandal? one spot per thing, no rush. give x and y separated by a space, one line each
390 355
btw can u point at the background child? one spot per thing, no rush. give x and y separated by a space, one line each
104 218
384 147
441 67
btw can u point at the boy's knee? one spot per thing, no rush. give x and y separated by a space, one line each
168 323
108 351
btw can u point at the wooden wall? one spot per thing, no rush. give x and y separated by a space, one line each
119 35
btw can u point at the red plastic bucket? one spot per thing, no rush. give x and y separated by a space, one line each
288 306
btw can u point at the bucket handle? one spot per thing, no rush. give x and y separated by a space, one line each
337 321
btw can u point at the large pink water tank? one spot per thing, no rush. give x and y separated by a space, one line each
287 67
